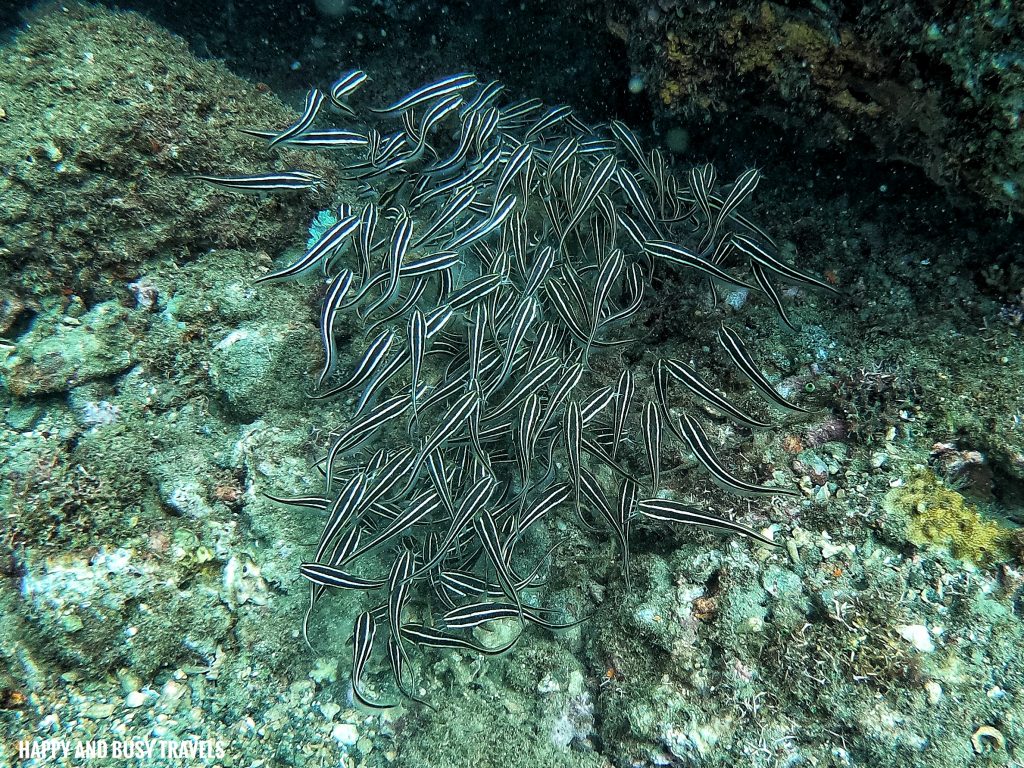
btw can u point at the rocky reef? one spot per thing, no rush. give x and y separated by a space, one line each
151 393
939 86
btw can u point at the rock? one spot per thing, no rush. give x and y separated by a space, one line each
345 734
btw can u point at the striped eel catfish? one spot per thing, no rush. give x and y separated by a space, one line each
501 248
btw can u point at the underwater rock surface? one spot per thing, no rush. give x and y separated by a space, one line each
936 85
151 591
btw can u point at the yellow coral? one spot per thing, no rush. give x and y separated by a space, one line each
940 515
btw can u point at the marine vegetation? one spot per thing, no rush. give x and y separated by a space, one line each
503 250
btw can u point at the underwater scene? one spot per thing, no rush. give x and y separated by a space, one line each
593 383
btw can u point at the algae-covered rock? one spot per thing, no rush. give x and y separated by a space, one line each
248 365
62 351
119 608
938 85
107 116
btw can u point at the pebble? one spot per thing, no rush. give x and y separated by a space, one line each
172 691
135 699
548 685
98 711
345 734
917 635
987 739
324 671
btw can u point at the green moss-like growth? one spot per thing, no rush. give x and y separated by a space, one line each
939 515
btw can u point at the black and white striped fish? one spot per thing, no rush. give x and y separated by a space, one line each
442 87
670 511
326 138
314 101
697 439
363 634
737 350
275 181
329 242
344 86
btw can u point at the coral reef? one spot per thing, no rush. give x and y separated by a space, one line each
937 85
150 591
99 147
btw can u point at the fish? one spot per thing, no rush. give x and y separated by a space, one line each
741 189
344 86
670 511
314 101
732 344
599 177
421 634
678 254
628 139
651 427
629 491
371 361
326 138
548 120
455 207
526 436
342 511
696 438
420 508
335 295
436 89
518 160
484 97
330 576
363 633
526 313
487 532
623 399
274 181
502 210
417 340
331 240
399 584
478 614
692 381
758 270
756 252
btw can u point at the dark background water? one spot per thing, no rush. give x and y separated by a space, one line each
553 50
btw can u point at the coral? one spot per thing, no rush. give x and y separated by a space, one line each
324 220
939 86
939 515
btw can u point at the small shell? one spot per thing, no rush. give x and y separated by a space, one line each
987 739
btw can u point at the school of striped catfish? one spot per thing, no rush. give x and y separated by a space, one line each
503 246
